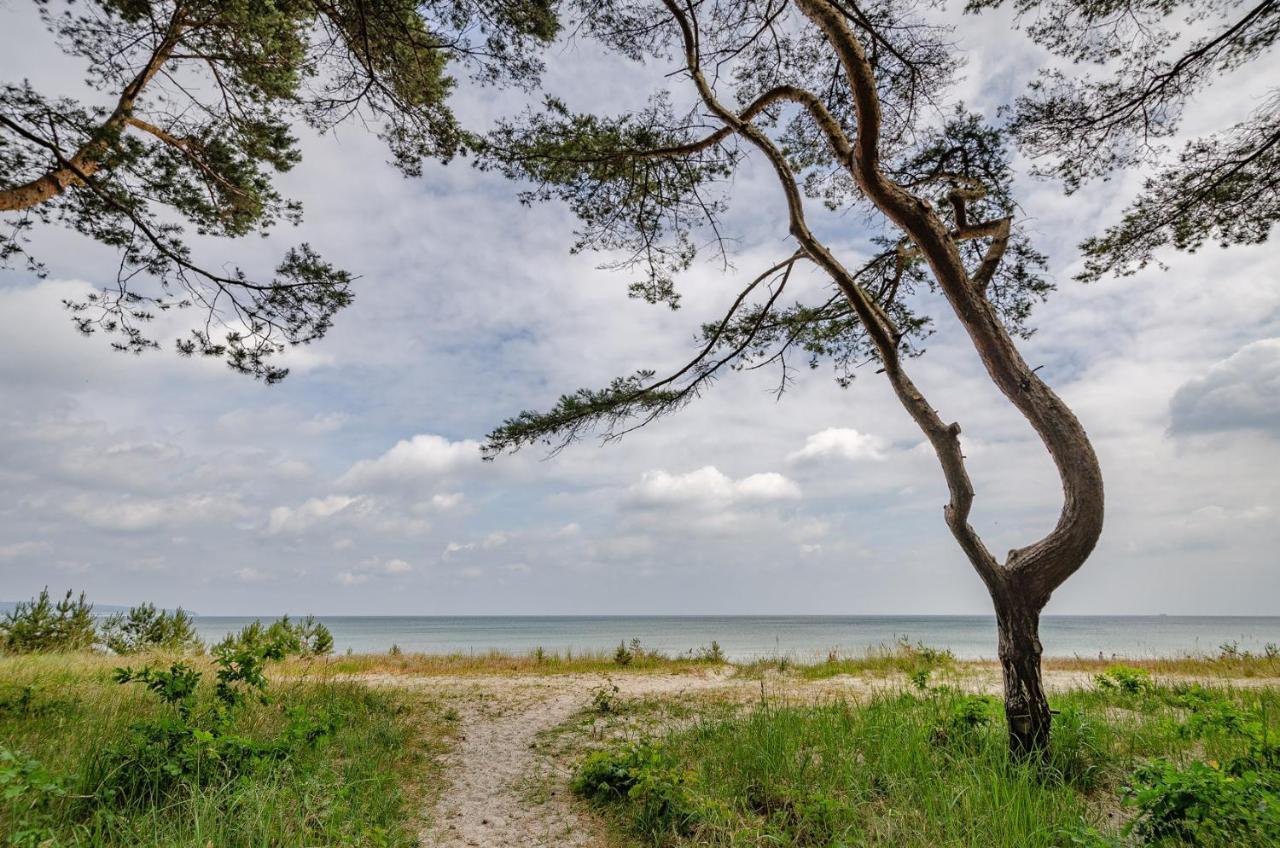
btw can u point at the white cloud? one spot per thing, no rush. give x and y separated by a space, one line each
1242 392
840 442
422 459
708 486
128 514
373 566
769 486
396 566
351 578
20 549
446 500
285 519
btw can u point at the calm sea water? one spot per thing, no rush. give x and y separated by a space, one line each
801 637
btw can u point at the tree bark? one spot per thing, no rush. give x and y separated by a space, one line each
1026 708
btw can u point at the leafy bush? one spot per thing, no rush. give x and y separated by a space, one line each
27 788
622 657
649 780
604 697
1203 804
196 747
965 716
43 626
304 638
1123 678
145 628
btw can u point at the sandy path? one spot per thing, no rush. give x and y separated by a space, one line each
496 766
504 792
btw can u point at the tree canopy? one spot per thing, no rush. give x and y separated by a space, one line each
1117 106
650 187
203 98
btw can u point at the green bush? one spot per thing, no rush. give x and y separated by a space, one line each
29 790
145 628
647 778
194 747
604 697
1203 804
1123 678
43 626
304 638
712 654
964 719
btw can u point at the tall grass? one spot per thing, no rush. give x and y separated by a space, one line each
361 786
908 769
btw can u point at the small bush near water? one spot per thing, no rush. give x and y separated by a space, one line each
1146 765
145 628
45 626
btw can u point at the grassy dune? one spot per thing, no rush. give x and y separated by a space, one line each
914 760
921 769
62 718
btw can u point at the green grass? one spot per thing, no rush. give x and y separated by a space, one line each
361 786
502 662
908 769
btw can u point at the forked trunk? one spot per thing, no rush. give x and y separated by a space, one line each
1026 708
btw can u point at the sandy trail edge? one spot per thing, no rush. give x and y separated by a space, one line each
486 801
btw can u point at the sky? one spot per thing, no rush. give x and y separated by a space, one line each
356 485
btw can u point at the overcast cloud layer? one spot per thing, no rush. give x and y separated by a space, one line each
356 486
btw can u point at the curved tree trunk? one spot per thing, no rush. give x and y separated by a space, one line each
1026 708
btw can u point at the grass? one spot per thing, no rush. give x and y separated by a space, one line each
362 785
909 769
501 662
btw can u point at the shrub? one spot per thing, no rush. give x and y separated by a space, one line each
42 626
649 780
28 789
305 638
712 654
964 718
622 657
195 747
1202 804
1123 678
603 697
146 628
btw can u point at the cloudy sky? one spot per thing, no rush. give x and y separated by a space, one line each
356 485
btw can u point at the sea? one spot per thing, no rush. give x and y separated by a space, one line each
798 637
